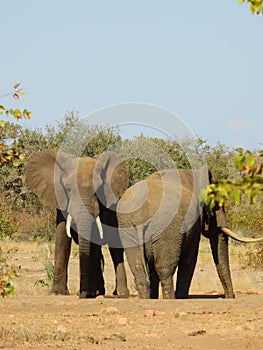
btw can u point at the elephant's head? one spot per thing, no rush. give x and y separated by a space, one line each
79 186
217 219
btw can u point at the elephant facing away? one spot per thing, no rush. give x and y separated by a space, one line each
83 189
160 222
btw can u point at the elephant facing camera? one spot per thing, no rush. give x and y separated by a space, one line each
66 183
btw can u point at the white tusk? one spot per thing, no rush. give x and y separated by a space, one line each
240 239
98 222
68 225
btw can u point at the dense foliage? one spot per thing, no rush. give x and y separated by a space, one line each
249 184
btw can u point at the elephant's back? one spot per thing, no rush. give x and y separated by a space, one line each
139 203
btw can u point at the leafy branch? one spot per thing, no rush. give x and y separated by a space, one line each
7 273
6 288
11 153
250 185
256 6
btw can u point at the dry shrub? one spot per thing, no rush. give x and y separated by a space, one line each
247 220
8 221
32 226
253 256
19 334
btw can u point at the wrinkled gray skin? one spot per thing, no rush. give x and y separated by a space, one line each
84 188
160 221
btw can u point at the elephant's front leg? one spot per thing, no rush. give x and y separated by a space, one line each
62 253
112 238
121 289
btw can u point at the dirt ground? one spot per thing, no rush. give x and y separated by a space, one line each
35 320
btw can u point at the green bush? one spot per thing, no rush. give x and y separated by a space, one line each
49 268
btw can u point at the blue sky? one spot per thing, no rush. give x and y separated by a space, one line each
201 60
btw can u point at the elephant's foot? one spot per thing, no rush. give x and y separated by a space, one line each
179 295
143 294
121 293
59 289
91 294
229 295
100 292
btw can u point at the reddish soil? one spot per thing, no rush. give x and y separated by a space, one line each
47 322
35 320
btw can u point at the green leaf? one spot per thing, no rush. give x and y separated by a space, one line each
251 160
2 109
240 162
27 114
2 123
253 195
202 195
15 162
17 114
221 200
236 196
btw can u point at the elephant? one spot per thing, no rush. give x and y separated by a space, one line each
160 221
83 189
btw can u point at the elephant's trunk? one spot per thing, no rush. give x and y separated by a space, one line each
219 246
91 279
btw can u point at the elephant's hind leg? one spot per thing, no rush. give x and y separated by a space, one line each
165 262
165 274
154 283
153 275
166 278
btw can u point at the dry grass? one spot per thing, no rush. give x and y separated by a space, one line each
32 257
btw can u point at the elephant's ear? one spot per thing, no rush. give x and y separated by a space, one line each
211 176
110 178
43 176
